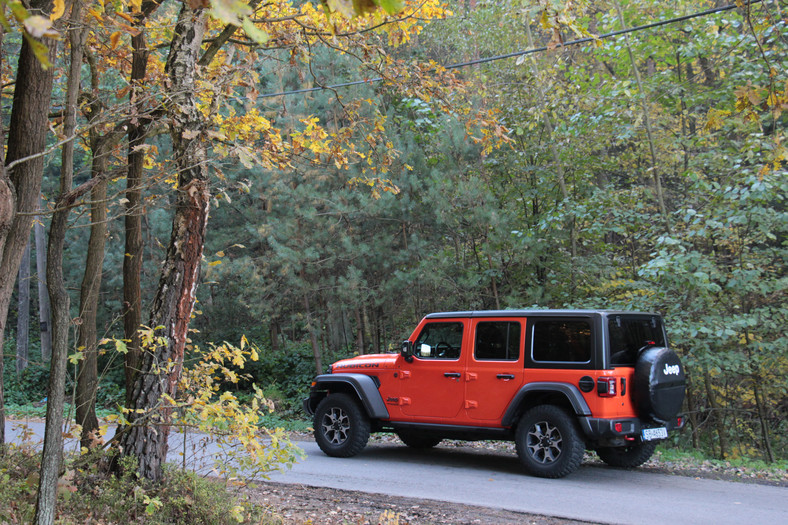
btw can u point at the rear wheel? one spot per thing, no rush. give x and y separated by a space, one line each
627 457
341 426
548 442
418 440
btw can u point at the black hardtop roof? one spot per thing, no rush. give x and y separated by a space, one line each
535 313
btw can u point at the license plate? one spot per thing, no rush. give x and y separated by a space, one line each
650 434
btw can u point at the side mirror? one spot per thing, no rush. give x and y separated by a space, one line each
407 351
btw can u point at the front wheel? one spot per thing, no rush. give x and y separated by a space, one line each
341 427
627 457
548 442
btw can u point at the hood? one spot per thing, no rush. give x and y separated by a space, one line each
365 362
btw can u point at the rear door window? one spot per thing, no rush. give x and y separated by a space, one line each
497 341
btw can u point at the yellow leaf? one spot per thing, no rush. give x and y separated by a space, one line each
114 38
58 10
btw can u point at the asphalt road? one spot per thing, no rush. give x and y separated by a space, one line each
494 479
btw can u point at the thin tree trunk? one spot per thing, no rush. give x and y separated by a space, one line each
52 455
26 138
647 121
359 332
87 378
23 313
44 313
132 261
559 166
146 437
312 331
716 414
760 405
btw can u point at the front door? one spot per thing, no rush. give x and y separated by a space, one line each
433 383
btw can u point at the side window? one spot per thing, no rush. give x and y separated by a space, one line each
497 341
561 341
439 341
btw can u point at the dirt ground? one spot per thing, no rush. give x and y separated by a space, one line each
300 504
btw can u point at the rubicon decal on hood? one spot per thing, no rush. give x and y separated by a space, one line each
358 365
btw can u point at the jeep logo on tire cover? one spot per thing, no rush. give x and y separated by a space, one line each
671 370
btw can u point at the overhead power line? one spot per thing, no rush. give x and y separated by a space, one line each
485 60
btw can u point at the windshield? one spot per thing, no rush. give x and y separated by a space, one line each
628 334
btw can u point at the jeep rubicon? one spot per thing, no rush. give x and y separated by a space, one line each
556 382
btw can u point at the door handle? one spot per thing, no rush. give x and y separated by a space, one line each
505 376
452 374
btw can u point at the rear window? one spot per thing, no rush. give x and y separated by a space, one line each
629 334
561 341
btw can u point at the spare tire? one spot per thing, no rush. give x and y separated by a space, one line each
659 384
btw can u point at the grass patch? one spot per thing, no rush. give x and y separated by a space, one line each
742 467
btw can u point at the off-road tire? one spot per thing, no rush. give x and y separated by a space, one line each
418 439
548 442
627 457
341 426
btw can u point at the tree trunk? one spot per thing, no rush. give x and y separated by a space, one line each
317 354
87 378
132 262
44 315
559 166
761 406
647 121
26 137
23 313
146 437
716 414
52 454
359 332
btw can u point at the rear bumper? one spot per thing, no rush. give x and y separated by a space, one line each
597 428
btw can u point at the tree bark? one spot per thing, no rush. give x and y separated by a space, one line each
52 454
87 377
146 437
23 313
26 138
44 312
132 262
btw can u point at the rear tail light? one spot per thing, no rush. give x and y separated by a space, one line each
606 386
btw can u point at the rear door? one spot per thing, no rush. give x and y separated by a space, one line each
495 367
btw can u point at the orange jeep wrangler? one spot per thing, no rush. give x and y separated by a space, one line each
556 382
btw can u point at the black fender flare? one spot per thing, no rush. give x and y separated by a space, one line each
364 386
569 391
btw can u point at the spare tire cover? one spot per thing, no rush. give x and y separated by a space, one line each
659 384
